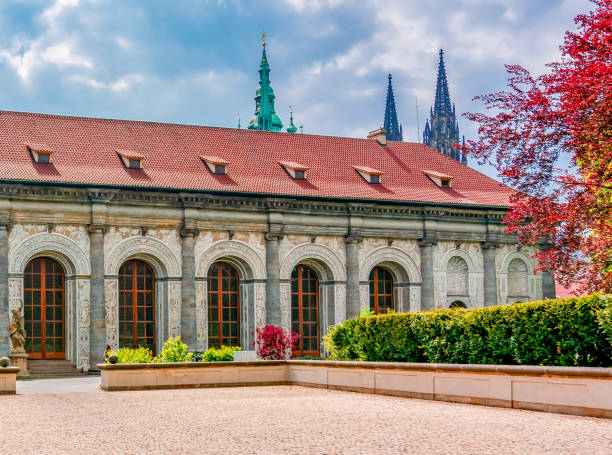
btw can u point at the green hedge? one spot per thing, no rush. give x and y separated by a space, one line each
574 331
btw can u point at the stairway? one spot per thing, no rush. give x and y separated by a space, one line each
52 368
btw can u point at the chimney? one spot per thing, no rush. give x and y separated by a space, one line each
380 135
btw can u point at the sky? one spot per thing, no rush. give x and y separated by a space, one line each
196 61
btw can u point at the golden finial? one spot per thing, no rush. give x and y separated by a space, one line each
263 39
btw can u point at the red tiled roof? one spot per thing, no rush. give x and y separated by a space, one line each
85 153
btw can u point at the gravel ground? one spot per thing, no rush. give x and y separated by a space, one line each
278 420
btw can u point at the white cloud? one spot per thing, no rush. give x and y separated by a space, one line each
63 54
124 83
312 6
51 47
120 85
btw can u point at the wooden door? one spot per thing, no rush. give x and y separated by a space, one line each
136 305
44 309
223 306
305 310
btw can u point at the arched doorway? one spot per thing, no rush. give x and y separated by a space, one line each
305 310
457 304
136 305
381 290
223 306
44 309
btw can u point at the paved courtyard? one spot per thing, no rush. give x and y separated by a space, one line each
286 419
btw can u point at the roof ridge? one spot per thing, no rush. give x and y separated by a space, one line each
191 125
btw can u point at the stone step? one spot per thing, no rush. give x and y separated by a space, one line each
53 368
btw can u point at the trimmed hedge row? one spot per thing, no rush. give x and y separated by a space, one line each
570 332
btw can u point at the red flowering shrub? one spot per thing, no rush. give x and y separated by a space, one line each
274 344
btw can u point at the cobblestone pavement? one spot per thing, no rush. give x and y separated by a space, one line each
278 420
60 385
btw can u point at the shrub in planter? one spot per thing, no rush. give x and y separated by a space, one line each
274 344
131 355
174 350
570 332
223 354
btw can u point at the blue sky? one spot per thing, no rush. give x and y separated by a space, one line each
196 61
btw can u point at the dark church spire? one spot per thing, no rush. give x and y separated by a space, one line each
442 129
442 104
394 129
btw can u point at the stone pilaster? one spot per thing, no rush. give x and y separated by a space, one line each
427 285
548 281
273 306
353 302
188 307
97 334
490 275
4 294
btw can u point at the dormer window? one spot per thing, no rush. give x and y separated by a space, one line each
131 159
370 175
442 180
41 154
215 165
297 171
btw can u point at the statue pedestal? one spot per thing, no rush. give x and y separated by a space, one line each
20 360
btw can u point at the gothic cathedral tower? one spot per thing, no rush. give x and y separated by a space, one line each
442 130
394 129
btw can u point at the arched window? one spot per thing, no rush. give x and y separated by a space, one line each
457 276
43 308
381 291
518 285
457 304
223 306
305 310
136 305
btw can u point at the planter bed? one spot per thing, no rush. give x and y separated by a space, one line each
8 380
132 376
566 390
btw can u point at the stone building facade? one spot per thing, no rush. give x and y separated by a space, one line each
434 254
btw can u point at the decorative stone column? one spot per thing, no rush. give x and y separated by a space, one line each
97 334
427 285
273 307
490 275
4 294
353 303
188 307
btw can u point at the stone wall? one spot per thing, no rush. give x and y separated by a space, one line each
92 233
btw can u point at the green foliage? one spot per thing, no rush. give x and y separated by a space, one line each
174 350
132 355
223 354
574 331
604 317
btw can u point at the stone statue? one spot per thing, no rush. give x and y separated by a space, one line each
17 332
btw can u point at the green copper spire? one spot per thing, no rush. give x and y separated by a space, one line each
265 115
291 128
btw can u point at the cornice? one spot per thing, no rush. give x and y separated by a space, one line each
28 192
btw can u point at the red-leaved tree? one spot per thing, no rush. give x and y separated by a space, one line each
274 344
550 138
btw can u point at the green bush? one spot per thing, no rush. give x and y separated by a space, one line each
574 331
132 355
224 353
174 350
